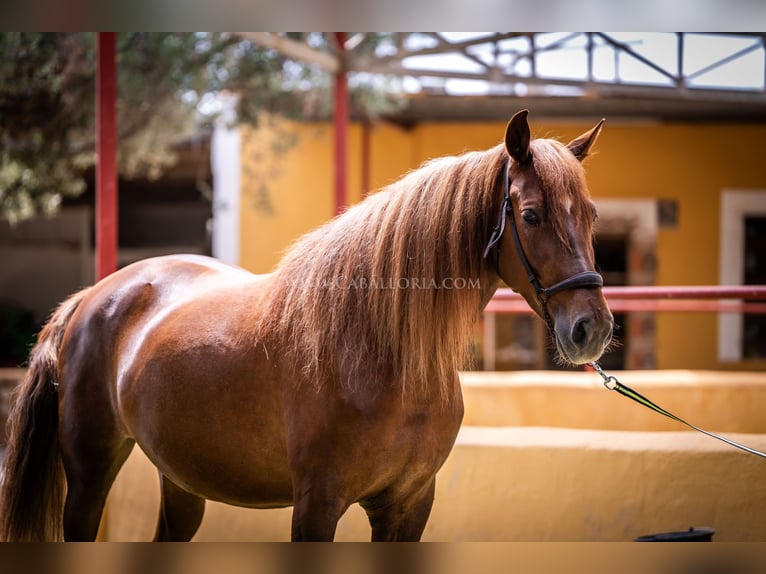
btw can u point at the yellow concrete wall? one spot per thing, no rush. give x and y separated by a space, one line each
591 481
731 402
686 163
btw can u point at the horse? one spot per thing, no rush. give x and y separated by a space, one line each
331 381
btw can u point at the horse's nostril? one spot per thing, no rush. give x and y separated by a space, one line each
580 331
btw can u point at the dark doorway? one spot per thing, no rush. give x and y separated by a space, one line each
754 326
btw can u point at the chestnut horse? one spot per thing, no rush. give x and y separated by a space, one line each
331 381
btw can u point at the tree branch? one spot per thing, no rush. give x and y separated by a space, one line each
293 49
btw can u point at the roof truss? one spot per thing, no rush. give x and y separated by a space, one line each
606 66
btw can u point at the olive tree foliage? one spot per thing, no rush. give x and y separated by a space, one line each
167 88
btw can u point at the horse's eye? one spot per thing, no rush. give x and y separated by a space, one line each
530 217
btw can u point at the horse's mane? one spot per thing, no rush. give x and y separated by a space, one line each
357 297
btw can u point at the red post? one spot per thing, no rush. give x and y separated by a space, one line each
106 149
700 298
340 127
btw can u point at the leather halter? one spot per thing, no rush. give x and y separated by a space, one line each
576 281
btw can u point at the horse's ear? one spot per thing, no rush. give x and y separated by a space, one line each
517 137
582 145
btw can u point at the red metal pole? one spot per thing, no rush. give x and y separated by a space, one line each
657 298
106 148
669 292
689 292
340 127
520 307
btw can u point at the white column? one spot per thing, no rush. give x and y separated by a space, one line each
226 163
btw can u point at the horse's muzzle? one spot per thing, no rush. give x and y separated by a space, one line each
584 337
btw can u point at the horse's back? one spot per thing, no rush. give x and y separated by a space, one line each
120 310
180 272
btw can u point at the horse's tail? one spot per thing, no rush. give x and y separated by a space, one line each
32 481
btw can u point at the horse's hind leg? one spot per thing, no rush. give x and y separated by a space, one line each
90 473
180 513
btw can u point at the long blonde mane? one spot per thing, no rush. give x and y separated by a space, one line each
390 289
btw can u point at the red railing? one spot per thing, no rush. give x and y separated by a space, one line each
714 299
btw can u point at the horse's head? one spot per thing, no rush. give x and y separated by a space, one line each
546 251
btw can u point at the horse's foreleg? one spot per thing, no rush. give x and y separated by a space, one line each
315 514
403 519
180 513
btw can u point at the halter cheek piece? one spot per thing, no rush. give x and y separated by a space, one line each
582 279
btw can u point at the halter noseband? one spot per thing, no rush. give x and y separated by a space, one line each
582 279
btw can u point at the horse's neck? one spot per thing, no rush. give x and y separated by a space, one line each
489 285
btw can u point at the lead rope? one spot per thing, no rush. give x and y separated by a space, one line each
611 383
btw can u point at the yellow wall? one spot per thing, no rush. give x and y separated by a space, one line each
300 182
718 401
683 162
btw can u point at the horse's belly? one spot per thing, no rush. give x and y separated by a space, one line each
207 412
211 447
258 487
